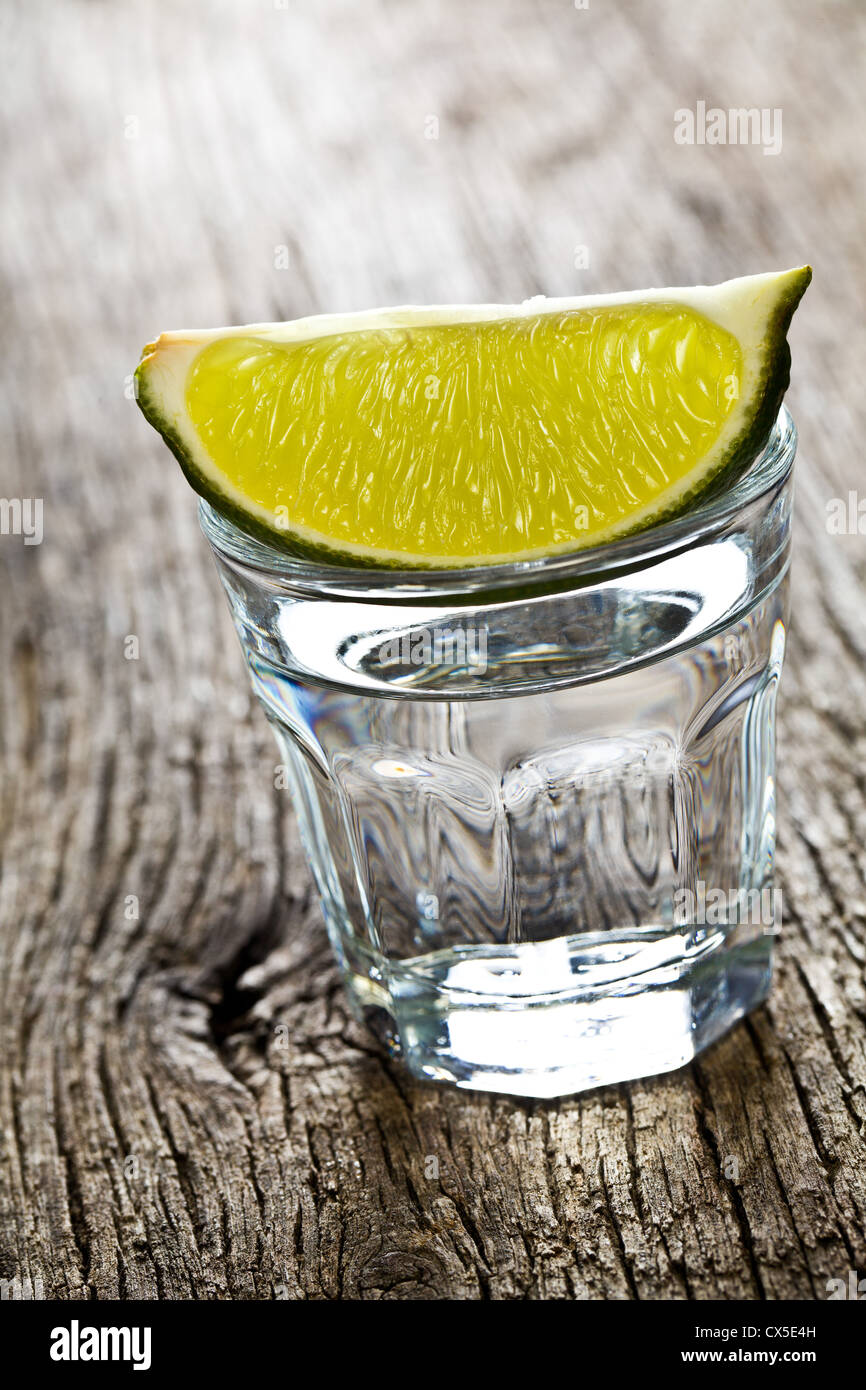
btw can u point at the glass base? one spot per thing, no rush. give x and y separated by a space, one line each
549 1019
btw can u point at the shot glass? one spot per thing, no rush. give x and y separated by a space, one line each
538 799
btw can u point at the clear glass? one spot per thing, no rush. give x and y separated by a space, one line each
538 800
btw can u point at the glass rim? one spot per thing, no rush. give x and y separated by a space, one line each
767 471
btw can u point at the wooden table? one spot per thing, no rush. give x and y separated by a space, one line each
187 1109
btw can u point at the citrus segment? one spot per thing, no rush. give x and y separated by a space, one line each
455 437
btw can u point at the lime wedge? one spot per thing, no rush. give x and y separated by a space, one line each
474 435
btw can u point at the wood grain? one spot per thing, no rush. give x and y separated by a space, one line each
187 1110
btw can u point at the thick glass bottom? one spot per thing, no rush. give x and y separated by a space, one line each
549 1019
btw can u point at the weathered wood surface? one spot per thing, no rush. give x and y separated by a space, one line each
187 1110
